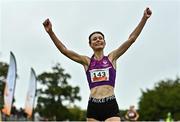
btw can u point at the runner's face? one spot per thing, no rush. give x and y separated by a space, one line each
97 42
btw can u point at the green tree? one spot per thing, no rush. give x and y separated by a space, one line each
155 103
3 70
77 114
3 73
56 94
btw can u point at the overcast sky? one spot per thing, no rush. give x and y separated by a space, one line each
153 57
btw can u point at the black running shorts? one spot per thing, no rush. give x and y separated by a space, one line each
102 109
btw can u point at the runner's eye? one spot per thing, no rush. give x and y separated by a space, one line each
100 38
95 38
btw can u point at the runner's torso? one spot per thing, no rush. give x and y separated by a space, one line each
101 77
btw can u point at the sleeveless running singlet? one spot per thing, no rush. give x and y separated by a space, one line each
100 72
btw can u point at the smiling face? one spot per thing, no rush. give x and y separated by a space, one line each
96 41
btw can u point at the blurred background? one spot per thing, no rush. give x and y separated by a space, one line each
147 74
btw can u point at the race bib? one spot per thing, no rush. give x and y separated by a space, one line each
98 75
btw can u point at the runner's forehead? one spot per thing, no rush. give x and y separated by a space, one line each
96 35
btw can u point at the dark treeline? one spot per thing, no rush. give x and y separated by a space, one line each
56 97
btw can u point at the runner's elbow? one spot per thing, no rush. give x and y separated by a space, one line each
63 50
132 39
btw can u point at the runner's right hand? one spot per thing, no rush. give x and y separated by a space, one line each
47 25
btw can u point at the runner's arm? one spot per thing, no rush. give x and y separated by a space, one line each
114 55
61 47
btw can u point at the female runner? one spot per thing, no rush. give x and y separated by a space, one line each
100 70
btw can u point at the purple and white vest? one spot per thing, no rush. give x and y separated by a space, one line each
100 73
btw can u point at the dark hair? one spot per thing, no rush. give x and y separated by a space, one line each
98 32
